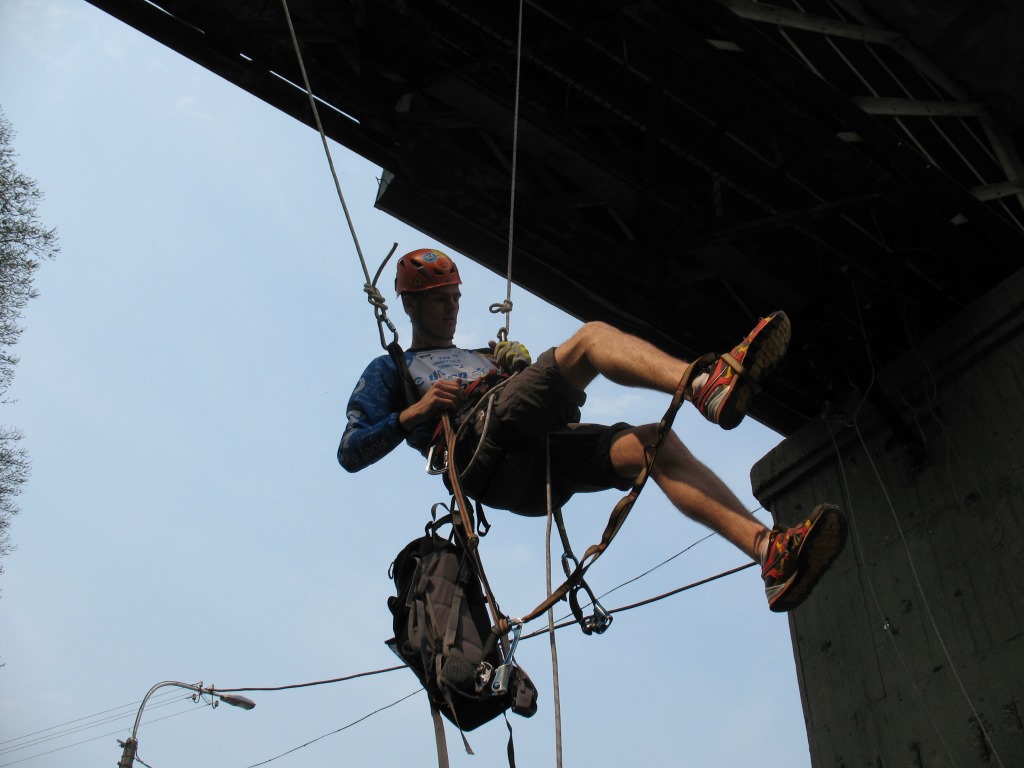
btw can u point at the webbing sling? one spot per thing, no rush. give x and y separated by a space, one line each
409 391
465 529
622 509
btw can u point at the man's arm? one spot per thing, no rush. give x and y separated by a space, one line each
376 424
373 429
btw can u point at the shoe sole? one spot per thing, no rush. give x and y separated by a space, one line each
763 355
821 546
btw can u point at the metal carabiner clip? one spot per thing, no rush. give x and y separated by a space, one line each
600 621
568 557
431 468
499 685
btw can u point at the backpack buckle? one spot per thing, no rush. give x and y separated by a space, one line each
483 675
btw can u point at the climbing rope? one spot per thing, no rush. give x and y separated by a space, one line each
373 295
551 613
505 307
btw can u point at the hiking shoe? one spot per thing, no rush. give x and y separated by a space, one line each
735 378
797 557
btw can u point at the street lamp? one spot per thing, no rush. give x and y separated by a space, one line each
132 744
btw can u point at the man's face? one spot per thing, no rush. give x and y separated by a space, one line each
434 313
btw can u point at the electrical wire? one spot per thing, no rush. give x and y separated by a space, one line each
339 730
79 729
649 571
308 685
130 713
96 738
561 625
648 601
524 637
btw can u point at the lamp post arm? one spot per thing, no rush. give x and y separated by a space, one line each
131 745
197 687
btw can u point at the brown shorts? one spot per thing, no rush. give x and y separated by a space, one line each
509 470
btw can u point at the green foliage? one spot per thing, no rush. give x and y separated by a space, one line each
24 241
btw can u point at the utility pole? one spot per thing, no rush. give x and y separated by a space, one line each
128 756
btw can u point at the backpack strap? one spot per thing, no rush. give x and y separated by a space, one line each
409 392
442 742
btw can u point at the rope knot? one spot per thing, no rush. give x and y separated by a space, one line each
373 295
504 307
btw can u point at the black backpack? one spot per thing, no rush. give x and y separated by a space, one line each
443 633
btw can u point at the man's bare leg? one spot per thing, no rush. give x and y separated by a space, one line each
598 348
721 393
794 559
692 488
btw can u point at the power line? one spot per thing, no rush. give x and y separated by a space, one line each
294 686
96 738
648 601
307 685
134 705
78 729
339 730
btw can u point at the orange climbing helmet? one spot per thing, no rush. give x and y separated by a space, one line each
425 269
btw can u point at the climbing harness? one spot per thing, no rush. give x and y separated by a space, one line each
575 569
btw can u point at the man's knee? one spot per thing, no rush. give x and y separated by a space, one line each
587 334
630 447
595 330
573 354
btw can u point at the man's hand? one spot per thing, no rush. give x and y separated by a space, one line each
511 356
443 395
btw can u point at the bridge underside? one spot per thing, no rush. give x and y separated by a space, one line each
680 167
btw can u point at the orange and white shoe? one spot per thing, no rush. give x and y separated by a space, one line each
736 377
798 556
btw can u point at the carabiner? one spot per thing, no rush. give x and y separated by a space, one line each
439 469
599 622
501 675
566 557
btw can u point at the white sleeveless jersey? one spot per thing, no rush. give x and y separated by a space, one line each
432 365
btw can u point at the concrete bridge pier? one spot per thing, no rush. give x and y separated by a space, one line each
911 652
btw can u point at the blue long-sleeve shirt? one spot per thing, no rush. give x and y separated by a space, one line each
373 431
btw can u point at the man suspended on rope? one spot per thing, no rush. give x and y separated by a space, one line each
502 449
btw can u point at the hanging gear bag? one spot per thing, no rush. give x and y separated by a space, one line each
443 633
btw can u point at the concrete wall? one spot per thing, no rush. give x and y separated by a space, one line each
911 652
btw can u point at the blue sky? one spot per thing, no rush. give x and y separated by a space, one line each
182 389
